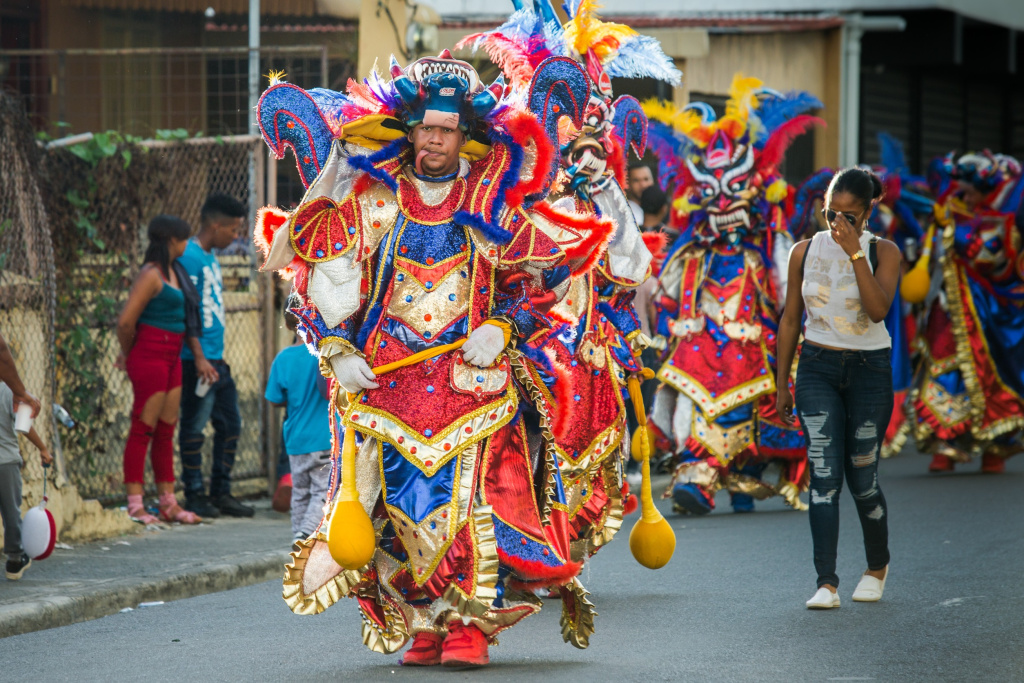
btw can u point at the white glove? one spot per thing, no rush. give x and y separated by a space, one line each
352 372
484 345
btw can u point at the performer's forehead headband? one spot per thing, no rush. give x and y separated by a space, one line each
443 91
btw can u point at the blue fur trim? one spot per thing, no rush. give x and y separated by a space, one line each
511 177
366 163
492 232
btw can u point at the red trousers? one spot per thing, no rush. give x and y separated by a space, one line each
154 366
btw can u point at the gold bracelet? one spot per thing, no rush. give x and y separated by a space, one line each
858 255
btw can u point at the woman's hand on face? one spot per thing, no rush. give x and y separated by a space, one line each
784 406
845 235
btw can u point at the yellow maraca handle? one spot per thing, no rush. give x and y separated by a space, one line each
648 511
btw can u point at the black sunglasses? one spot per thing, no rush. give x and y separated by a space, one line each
830 216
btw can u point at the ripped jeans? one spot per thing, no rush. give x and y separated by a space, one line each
844 400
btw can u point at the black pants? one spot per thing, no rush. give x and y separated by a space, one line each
844 400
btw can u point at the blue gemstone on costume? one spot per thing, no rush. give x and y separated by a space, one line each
391 384
739 356
671 362
319 253
421 553
408 298
721 299
600 262
383 344
428 432
719 373
688 292
461 577
746 308
365 398
575 363
762 371
433 525
430 390
400 277
604 319
515 218
713 394
338 246
483 290
451 297
426 335
596 373
554 250
351 230
577 397
485 181
463 273
428 284
302 241
696 348
479 378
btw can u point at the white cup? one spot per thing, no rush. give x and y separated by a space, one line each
202 387
23 418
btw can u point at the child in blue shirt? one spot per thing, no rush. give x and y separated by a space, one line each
295 383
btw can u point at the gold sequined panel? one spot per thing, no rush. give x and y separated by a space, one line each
469 379
685 327
576 302
950 409
428 541
722 402
603 446
432 194
699 473
434 309
592 352
724 443
716 310
430 454
380 211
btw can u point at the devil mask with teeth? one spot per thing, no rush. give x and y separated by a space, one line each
443 91
726 170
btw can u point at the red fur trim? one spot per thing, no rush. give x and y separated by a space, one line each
268 220
536 574
775 148
594 233
362 184
525 127
656 243
629 501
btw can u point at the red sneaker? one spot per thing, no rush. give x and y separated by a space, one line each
941 463
992 464
424 651
464 646
282 501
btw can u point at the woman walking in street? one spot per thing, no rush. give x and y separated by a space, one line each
151 330
844 396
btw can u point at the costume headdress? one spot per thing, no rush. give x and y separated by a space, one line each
726 169
984 170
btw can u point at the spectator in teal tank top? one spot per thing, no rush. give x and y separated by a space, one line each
203 362
162 308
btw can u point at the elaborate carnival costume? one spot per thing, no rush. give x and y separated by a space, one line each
718 297
401 268
969 398
907 201
580 367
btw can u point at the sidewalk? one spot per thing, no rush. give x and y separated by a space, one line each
100 578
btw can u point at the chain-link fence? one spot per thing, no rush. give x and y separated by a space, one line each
72 226
27 279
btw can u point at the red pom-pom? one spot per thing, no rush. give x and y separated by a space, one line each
629 502
268 220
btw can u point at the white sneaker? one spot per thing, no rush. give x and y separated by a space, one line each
869 589
823 599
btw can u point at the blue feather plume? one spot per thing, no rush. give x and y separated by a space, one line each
775 109
642 57
893 158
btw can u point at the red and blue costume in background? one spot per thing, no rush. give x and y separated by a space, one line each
969 398
719 294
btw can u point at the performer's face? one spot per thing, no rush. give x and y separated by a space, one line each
639 179
436 149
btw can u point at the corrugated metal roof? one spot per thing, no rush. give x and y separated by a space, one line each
295 8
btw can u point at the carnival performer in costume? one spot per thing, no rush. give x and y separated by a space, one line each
719 294
969 400
580 367
421 232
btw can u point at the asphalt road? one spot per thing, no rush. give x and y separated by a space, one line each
729 607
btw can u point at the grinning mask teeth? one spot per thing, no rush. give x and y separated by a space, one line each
443 91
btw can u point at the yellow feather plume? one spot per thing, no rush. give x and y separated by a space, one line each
742 96
681 120
585 32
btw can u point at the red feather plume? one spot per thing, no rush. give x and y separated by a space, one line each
524 127
776 145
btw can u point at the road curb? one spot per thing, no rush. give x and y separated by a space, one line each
60 610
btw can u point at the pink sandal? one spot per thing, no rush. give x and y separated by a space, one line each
137 511
170 511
